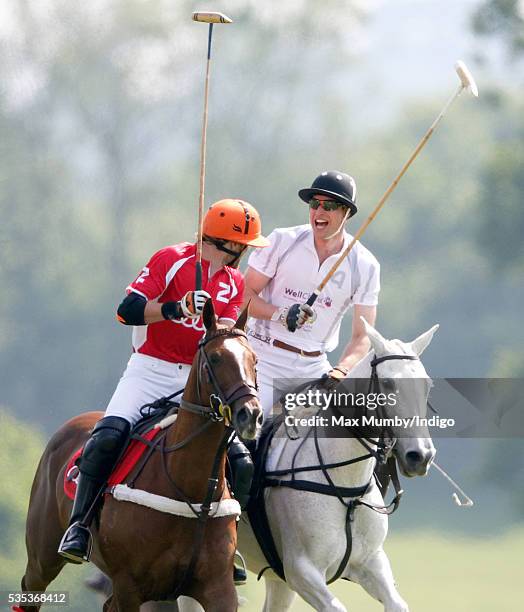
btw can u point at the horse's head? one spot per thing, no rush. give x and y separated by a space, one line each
227 373
398 370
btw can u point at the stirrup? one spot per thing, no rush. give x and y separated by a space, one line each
240 573
76 558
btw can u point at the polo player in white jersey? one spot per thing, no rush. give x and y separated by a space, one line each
291 338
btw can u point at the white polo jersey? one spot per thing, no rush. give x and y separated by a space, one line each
292 264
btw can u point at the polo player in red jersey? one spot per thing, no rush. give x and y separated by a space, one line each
165 312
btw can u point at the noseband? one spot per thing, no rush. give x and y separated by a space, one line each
386 442
220 402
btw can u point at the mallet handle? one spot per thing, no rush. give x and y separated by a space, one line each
313 297
198 278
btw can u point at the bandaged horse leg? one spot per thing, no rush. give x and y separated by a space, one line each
188 604
376 577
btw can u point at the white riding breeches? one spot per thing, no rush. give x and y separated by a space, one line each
280 371
145 380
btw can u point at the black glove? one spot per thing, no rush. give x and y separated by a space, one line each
331 379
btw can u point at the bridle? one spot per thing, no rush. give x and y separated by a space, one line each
386 440
220 401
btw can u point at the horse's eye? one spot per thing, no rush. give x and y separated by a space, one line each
214 358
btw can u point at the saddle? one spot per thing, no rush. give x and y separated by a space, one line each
144 431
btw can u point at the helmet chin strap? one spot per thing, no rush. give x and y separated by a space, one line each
219 244
340 227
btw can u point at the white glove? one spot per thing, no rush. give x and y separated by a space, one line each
295 316
280 315
193 302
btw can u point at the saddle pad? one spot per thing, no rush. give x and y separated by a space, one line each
130 458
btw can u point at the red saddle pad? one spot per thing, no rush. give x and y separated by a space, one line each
130 458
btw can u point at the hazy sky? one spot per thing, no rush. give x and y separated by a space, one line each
410 49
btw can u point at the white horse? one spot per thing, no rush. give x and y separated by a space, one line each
309 529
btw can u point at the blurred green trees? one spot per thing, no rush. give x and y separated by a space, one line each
502 18
100 119
20 452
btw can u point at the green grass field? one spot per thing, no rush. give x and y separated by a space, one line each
435 573
438 573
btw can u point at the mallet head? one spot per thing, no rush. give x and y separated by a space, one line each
209 17
466 78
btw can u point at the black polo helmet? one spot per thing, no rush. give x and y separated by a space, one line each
340 186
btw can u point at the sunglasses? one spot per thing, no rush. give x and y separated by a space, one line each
327 205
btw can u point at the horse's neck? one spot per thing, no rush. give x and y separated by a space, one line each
334 450
191 466
362 369
350 448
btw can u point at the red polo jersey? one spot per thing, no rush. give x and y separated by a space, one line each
168 276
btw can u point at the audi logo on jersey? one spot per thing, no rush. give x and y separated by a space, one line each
196 324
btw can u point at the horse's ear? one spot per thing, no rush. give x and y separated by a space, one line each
420 344
208 316
242 319
378 342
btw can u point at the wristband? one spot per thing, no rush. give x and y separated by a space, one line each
172 310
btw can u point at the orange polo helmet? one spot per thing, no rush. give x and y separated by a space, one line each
234 220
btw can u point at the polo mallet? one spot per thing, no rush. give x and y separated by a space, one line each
211 18
466 502
466 82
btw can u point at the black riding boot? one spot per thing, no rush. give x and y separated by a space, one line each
98 459
242 471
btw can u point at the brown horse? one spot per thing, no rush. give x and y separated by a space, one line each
149 554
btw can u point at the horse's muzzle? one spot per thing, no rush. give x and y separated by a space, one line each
416 462
247 419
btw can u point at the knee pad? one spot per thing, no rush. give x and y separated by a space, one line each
104 446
